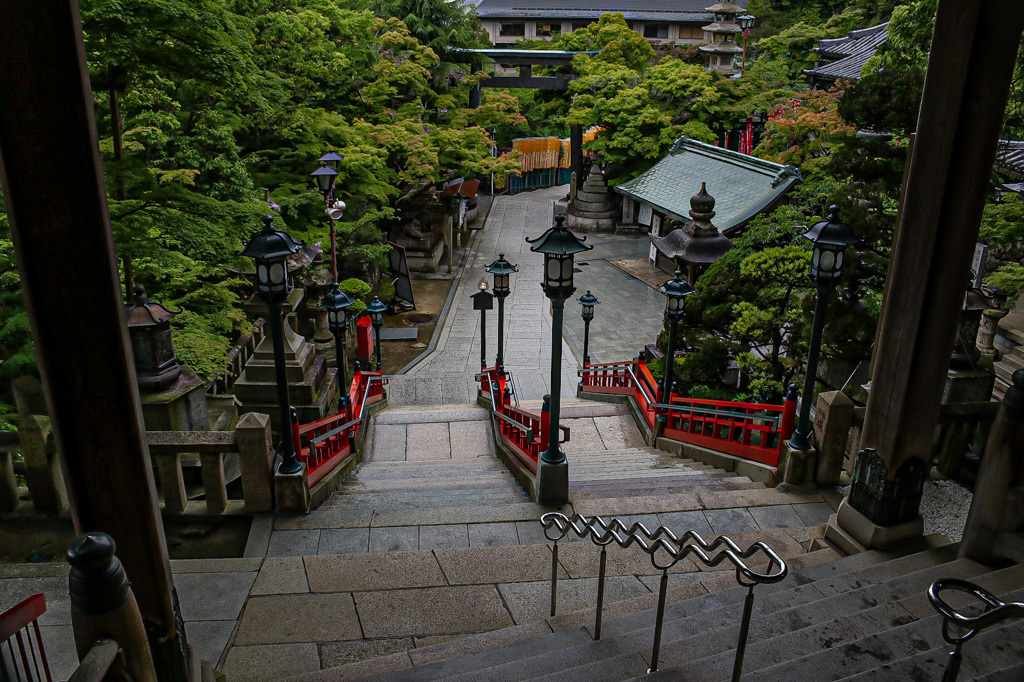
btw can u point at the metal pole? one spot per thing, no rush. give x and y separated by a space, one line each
586 342
741 644
500 361
554 455
339 350
659 621
600 591
289 463
376 343
799 440
670 356
483 339
334 252
554 578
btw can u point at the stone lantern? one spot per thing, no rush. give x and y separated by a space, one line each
149 328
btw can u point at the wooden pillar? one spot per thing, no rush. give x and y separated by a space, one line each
576 154
52 180
970 66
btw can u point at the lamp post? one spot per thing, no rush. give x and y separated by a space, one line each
269 249
376 310
830 238
558 245
675 290
483 301
587 301
501 269
746 22
325 176
335 303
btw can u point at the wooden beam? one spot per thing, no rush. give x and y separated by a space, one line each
969 70
52 179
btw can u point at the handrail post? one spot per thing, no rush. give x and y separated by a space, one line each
741 643
600 591
788 415
554 578
659 621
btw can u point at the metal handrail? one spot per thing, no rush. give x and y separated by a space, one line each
996 611
603 533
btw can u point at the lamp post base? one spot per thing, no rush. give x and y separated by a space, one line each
796 467
292 491
553 483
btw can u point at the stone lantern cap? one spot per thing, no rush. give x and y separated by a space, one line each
145 313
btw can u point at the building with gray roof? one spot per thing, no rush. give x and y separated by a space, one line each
847 56
660 21
743 186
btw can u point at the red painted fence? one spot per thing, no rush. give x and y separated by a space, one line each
324 444
523 432
751 431
21 638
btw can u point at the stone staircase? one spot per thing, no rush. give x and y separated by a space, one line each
863 617
1005 367
431 549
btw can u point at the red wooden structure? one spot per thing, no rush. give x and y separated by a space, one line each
522 432
322 445
22 656
751 431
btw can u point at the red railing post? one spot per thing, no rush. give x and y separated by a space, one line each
788 416
545 424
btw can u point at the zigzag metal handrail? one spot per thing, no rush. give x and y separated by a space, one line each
691 543
602 533
996 611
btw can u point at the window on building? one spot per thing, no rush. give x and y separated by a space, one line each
577 25
655 30
690 33
545 30
512 29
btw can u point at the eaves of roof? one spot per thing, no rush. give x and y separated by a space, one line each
742 185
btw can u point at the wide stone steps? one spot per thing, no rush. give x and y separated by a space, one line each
864 617
571 652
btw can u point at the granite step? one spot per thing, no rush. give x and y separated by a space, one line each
516 661
979 654
437 499
495 480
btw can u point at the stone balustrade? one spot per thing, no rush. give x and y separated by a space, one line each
245 452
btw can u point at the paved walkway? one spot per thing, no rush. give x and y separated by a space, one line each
629 316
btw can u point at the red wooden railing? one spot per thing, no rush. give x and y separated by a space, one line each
523 432
20 636
751 431
324 444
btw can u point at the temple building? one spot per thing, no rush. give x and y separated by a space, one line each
743 186
674 22
843 58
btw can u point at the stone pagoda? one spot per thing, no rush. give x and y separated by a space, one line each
720 36
593 209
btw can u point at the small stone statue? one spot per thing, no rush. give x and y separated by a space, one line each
414 229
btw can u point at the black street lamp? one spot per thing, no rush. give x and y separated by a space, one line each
483 301
746 22
501 269
376 310
325 176
335 303
270 248
587 301
830 238
558 245
675 290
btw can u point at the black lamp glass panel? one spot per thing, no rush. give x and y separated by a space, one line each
567 264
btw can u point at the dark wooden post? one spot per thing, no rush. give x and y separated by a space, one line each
576 152
970 66
63 242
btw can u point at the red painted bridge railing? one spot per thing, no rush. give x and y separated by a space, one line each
523 432
752 431
322 445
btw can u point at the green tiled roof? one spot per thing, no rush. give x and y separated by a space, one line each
742 185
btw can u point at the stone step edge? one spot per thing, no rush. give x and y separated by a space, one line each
655 504
479 642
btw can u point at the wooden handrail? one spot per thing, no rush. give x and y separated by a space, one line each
103 663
